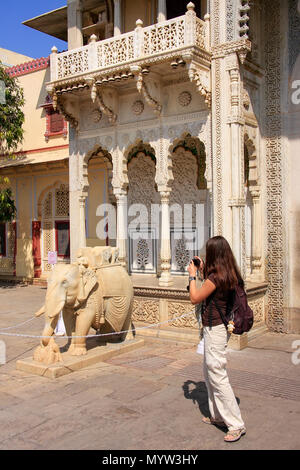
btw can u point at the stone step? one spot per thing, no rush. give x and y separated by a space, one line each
37 281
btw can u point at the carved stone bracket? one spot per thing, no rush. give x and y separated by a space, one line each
57 103
97 97
195 76
68 117
143 89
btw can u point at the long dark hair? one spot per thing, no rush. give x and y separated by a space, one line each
221 262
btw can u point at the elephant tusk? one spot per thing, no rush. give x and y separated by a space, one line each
40 311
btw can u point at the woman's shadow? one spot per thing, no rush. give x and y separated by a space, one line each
198 393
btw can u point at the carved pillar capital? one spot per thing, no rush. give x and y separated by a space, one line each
165 196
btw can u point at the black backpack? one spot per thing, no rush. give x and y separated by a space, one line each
238 311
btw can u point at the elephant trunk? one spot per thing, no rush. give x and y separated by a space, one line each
53 307
48 330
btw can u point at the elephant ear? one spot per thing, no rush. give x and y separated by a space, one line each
87 282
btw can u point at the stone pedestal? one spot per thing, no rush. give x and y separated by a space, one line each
70 363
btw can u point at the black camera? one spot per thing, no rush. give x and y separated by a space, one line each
196 262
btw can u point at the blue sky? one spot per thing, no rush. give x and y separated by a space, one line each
19 38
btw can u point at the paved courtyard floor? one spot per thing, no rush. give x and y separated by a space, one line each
149 399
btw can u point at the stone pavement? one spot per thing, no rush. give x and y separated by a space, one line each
151 398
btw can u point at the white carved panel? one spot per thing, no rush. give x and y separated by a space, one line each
183 248
143 250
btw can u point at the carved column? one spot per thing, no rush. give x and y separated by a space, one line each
75 38
256 233
165 250
122 225
82 229
237 197
117 17
77 196
161 11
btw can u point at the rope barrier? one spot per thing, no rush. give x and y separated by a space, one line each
18 324
95 335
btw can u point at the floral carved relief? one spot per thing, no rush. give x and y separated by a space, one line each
145 310
177 309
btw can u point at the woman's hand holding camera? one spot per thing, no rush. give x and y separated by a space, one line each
196 264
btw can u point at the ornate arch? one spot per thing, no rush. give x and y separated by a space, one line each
96 151
140 147
197 148
141 156
45 192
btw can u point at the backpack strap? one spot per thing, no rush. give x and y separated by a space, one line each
210 315
220 312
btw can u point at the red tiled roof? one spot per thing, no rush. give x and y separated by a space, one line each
28 67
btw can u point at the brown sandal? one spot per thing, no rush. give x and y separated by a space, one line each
208 420
234 435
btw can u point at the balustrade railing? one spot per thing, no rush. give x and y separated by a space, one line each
142 43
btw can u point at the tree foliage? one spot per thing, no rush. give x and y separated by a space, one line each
11 114
11 135
7 205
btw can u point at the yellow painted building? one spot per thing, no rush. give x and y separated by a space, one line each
39 179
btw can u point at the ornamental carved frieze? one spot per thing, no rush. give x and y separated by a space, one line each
145 310
274 150
184 312
141 189
241 47
257 306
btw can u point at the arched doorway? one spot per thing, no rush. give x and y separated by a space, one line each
99 214
189 203
55 224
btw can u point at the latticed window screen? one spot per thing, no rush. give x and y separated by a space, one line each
56 232
62 201
47 206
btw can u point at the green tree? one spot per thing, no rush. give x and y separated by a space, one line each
11 135
11 114
7 205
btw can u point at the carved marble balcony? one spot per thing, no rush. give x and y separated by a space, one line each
185 39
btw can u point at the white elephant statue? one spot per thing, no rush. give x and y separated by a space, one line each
95 291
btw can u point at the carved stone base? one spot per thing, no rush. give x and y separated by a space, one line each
73 363
166 281
173 317
238 342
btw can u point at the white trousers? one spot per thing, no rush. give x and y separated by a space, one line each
221 399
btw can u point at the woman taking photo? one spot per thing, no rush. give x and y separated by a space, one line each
221 276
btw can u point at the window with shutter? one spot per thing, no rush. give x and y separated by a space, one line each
56 122
2 239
